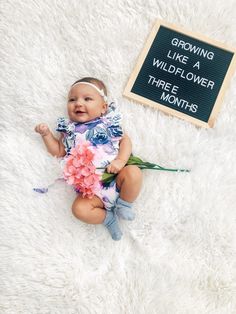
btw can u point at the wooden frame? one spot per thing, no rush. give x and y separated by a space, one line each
217 105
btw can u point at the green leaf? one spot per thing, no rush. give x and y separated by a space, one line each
133 160
108 177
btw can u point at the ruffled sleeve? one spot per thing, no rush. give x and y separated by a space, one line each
113 120
62 125
66 127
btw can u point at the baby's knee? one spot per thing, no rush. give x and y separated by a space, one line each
80 211
134 173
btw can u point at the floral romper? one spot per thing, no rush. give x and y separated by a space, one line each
104 134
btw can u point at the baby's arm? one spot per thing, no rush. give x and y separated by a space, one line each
125 150
54 146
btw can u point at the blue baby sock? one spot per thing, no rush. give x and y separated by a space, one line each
123 209
112 225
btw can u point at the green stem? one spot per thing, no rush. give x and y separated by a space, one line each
165 169
154 167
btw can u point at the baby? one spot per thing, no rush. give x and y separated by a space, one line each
92 119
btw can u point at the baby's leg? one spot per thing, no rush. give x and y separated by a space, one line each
92 211
89 210
129 181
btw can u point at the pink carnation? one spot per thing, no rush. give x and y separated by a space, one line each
80 170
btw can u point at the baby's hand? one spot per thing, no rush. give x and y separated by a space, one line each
42 129
115 166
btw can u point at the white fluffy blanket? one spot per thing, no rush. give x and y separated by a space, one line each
179 255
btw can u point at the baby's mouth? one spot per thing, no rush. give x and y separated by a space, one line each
79 112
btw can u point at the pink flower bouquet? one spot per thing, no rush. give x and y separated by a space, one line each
80 170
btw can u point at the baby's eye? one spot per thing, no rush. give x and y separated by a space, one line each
87 98
71 99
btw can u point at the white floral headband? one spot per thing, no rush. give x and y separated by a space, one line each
100 91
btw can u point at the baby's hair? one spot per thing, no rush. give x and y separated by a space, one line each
93 80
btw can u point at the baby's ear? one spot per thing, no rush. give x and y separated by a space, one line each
104 108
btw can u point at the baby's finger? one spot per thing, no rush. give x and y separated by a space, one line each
113 169
43 128
37 128
108 169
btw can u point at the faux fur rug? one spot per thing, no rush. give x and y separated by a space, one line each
179 255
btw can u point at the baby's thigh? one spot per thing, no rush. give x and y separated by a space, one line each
82 206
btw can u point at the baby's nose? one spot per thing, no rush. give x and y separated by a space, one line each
78 103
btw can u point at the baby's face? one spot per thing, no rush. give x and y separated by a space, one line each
85 103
